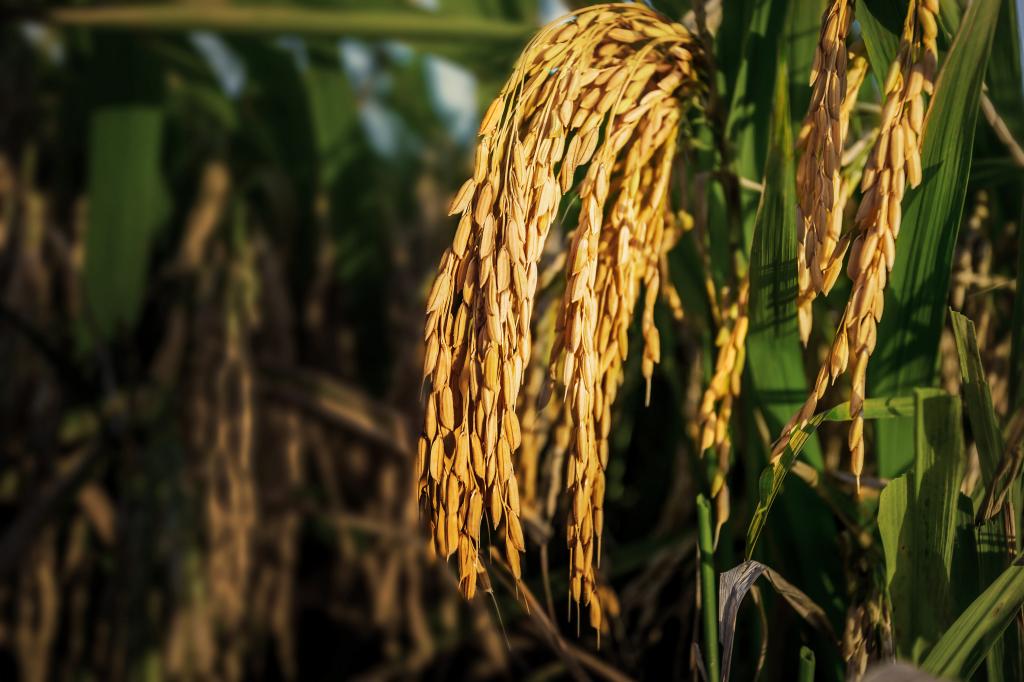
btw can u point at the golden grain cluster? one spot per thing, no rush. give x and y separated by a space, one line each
593 106
717 403
594 109
821 144
894 162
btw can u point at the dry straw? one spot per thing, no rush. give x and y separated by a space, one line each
894 162
599 90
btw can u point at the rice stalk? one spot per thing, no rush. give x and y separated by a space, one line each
894 162
221 411
601 89
38 600
970 258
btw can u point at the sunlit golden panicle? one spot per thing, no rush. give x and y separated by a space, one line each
601 89
820 145
895 162
716 405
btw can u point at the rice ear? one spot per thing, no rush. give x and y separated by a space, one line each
878 219
835 80
606 90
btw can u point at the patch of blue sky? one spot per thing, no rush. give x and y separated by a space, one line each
549 10
44 39
357 61
228 68
453 95
388 135
296 47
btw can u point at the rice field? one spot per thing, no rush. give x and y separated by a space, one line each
505 339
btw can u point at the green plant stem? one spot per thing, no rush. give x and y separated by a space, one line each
284 19
708 587
806 665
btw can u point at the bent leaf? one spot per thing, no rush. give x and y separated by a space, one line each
772 477
963 647
917 521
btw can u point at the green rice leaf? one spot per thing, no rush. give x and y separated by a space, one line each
950 15
774 357
749 125
127 204
770 483
729 42
964 569
995 553
881 22
977 397
773 343
333 119
962 648
802 27
994 547
917 521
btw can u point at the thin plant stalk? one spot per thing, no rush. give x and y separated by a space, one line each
708 587
806 664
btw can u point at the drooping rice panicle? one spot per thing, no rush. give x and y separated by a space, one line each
602 90
894 162
716 405
820 145
628 255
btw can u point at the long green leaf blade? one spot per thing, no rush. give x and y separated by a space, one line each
802 28
773 476
995 554
977 397
126 206
749 126
917 521
880 23
964 645
773 343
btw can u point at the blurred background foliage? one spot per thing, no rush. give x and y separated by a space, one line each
218 222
